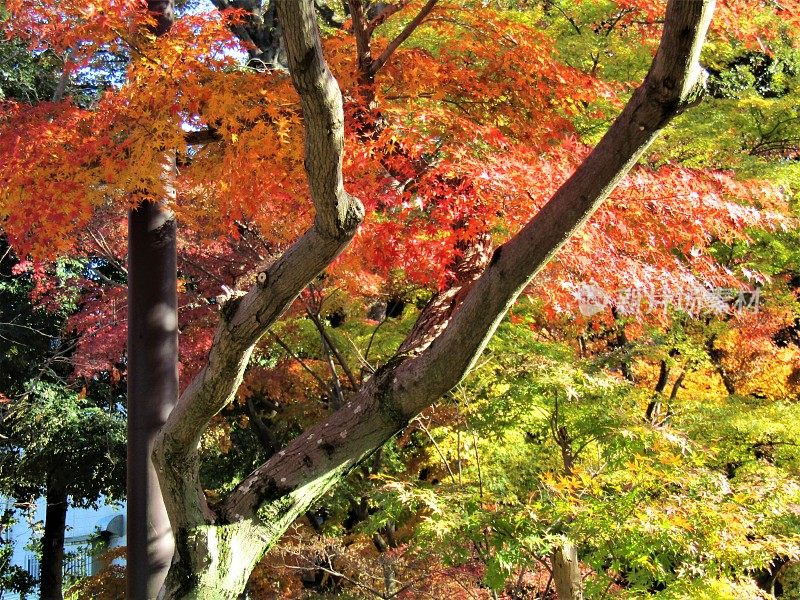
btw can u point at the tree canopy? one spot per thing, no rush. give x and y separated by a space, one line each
363 191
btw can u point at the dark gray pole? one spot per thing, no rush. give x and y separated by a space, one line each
152 368
152 389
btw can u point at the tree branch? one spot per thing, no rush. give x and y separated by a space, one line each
202 136
63 80
338 215
328 15
328 342
322 386
438 449
378 63
383 13
264 434
404 386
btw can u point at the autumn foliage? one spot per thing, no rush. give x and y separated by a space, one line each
464 134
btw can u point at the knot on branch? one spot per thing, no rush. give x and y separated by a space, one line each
229 300
353 215
344 222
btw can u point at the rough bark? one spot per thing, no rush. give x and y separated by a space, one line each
260 31
216 548
567 573
433 319
55 522
199 569
362 34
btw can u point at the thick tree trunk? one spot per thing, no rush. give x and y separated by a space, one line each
216 549
567 573
55 522
215 560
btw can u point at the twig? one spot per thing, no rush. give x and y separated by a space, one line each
201 268
569 19
34 330
378 63
331 571
458 458
314 316
438 449
372 337
608 587
477 460
337 386
335 573
361 358
308 369
463 587
105 249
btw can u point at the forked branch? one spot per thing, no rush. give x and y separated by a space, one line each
407 384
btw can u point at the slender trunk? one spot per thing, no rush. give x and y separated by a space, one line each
152 390
663 377
389 584
264 434
716 355
677 386
152 366
387 562
55 522
620 342
654 407
567 573
564 442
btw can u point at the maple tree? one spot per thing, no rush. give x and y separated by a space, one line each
533 449
451 146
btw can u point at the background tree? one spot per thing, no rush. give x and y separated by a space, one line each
62 438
